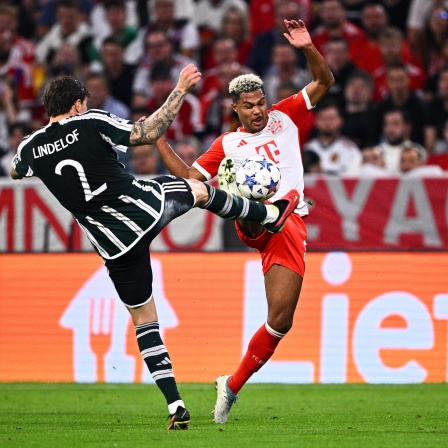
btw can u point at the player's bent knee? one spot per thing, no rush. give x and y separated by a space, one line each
199 190
280 323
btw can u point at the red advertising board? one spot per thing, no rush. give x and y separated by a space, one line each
349 213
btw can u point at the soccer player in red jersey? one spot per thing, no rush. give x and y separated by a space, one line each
273 133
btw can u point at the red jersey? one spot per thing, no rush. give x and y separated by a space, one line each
279 141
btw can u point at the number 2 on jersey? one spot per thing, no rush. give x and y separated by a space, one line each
82 177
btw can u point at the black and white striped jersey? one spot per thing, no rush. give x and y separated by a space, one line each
75 160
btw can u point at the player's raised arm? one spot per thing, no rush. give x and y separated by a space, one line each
174 164
149 131
299 37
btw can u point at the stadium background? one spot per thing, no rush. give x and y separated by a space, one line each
374 307
377 314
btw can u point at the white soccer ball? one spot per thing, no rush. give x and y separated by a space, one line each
258 178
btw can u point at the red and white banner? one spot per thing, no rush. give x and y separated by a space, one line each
393 213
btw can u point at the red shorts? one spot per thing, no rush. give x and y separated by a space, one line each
286 248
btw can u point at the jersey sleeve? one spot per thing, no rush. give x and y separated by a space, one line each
21 164
296 107
115 130
208 163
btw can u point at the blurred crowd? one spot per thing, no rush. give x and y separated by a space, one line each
387 113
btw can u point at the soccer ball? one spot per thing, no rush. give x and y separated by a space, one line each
258 178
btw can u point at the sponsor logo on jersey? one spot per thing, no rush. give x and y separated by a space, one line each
242 143
120 120
58 145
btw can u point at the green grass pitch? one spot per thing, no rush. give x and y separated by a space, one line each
267 415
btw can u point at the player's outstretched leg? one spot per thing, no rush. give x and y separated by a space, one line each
224 400
231 206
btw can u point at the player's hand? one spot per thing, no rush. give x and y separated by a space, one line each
297 35
188 78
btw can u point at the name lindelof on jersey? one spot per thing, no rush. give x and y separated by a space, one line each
58 145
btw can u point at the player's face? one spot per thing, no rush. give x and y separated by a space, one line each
252 110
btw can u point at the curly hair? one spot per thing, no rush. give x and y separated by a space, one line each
244 83
61 94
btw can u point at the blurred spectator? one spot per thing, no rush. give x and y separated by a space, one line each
434 36
218 115
284 68
188 120
374 21
17 131
189 149
183 10
401 97
208 16
223 50
412 163
115 25
48 14
333 23
311 162
395 136
358 109
335 51
181 32
397 10
260 57
14 68
337 154
441 144
235 26
158 50
120 75
391 43
373 163
144 160
100 97
67 61
437 113
262 15
353 10
8 111
69 28
432 83
9 22
419 11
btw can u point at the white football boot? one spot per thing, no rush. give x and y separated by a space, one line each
224 400
227 176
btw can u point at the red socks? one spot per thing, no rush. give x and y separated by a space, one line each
261 348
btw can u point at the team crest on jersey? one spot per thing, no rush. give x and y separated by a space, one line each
275 127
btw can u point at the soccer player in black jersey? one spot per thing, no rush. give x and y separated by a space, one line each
121 215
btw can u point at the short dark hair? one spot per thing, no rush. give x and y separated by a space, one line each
62 93
161 71
112 40
24 128
114 4
67 4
